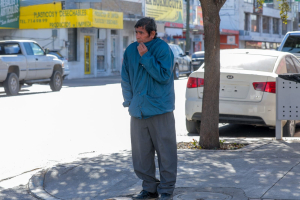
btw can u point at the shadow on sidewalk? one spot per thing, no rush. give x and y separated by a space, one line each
85 82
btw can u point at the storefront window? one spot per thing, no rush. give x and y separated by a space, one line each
261 45
72 50
266 25
247 15
275 26
254 23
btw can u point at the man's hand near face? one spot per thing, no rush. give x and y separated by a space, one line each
142 49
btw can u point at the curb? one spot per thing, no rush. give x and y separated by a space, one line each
36 186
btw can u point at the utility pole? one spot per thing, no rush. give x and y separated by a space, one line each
187 31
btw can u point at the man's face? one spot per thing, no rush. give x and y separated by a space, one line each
143 36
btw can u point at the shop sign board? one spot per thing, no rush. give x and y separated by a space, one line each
49 16
9 13
167 10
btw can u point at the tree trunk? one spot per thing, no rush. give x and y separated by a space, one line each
209 128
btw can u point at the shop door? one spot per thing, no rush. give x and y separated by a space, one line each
87 55
113 52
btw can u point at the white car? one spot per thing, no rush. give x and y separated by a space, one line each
247 88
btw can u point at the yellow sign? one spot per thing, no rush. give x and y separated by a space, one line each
52 16
87 55
165 10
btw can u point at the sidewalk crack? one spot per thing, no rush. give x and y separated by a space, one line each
279 179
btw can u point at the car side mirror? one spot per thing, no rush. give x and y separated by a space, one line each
46 51
187 53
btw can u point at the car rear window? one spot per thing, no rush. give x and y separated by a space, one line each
248 62
292 44
9 49
198 56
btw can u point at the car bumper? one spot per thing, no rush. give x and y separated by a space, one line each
256 113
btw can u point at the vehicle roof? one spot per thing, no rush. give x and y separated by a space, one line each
293 33
255 52
9 41
199 52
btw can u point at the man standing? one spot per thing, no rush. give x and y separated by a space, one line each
148 91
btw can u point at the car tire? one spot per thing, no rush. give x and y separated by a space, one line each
191 70
176 72
56 81
289 128
192 126
11 84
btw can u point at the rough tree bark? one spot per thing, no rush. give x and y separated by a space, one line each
209 127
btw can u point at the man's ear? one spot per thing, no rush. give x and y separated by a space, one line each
152 34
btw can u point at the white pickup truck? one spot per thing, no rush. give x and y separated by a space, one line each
24 61
291 43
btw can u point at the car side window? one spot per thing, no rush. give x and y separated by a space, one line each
37 50
297 64
290 65
281 69
28 48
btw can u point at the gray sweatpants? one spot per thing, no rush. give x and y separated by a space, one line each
147 136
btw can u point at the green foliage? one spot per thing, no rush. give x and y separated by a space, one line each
222 142
284 9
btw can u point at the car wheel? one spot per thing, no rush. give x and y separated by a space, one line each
176 72
11 84
192 126
289 128
56 81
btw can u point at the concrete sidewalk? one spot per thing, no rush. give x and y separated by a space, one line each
265 169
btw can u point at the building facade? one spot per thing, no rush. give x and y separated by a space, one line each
259 28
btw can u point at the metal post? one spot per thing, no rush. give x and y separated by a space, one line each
187 31
278 130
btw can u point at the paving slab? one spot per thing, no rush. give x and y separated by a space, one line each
267 170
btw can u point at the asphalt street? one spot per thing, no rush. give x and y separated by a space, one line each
86 118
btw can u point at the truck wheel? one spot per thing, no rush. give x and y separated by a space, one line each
56 81
289 128
11 84
192 126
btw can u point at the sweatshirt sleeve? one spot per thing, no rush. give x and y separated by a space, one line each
125 83
159 67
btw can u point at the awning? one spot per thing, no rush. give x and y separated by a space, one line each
49 16
173 31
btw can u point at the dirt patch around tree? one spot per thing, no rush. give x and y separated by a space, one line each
223 145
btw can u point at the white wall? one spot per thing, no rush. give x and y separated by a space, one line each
77 67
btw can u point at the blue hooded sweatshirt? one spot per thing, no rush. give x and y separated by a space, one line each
148 81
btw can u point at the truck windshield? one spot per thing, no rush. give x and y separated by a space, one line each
292 44
9 49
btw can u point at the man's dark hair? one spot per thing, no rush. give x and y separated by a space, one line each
148 24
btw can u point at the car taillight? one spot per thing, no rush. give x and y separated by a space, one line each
195 82
265 86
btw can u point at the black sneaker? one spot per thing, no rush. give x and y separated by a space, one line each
166 196
145 195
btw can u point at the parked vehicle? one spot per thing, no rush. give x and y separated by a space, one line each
182 62
24 61
63 59
247 88
291 43
197 59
